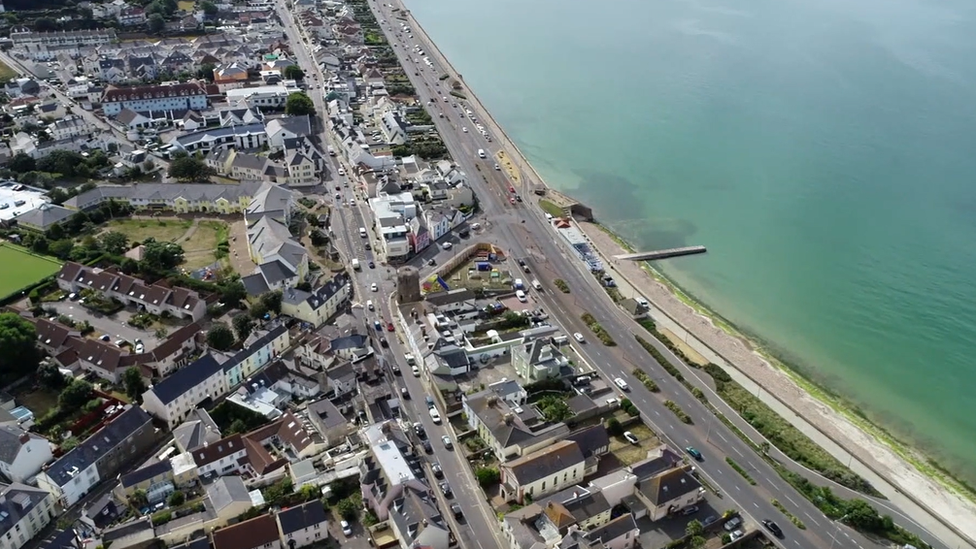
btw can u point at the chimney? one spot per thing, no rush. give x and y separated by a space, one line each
24 438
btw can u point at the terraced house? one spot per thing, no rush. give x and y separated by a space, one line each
174 398
203 198
155 298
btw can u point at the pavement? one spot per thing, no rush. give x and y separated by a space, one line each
521 229
116 326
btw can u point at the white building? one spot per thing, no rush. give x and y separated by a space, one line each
303 525
22 454
173 398
273 97
219 458
174 97
25 511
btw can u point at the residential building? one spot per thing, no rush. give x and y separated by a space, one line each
620 533
190 96
289 127
155 298
24 512
198 429
538 359
281 260
220 458
22 454
172 399
417 522
230 73
667 493
41 46
387 472
248 137
260 348
289 432
125 435
548 521
69 127
263 97
303 525
257 533
181 198
229 497
509 428
331 425
542 472
43 217
156 480
319 305
135 534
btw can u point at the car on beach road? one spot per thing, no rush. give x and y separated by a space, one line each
498 168
773 527
693 452
464 129
435 468
579 337
447 442
619 382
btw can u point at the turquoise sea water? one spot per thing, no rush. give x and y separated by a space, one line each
824 151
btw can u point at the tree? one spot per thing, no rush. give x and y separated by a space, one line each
75 395
697 542
299 104
862 516
347 509
243 324
208 7
114 242
161 256
176 499
258 310
220 337
694 528
272 301
21 163
189 168
554 408
17 337
294 72
614 428
309 492
238 426
134 384
488 476
232 293
139 498
49 376
206 72
40 245
156 23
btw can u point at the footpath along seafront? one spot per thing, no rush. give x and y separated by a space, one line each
947 515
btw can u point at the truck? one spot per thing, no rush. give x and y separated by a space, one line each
331 150
519 285
355 263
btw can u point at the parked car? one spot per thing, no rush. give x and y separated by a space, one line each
447 442
405 393
418 430
427 447
372 265
732 524
445 489
346 530
631 437
436 469
435 416
415 370
456 509
691 510
737 535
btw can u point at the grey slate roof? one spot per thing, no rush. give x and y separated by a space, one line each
146 473
275 271
326 413
254 345
62 539
45 216
167 191
99 444
227 490
12 439
318 297
18 501
545 462
301 517
191 139
668 485
194 432
592 441
184 379
255 284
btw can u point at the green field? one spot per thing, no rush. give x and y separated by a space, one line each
6 73
22 268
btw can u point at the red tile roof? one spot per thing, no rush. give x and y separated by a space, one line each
136 93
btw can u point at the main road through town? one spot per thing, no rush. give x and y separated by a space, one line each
522 230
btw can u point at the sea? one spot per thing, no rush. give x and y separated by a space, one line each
823 150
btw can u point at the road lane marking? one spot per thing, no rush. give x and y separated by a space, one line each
721 437
793 502
737 451
737 487
812 519
755 504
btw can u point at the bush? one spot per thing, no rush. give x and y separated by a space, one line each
670 405
614 428
176 499
738 468
487 476
599 331
561 284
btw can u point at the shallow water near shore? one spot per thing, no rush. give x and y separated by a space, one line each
823 151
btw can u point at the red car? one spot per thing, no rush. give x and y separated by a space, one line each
511 189
389 326
511 199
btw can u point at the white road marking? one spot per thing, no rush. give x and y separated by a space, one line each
793 502
737 451
812 519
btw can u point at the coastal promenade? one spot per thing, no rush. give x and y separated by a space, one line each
946 515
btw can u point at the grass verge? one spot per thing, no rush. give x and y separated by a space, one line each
738 469
550 208
599 331
649 383
796 521
685 418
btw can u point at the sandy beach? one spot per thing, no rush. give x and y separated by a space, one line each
869 457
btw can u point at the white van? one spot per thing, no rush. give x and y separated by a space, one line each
362 232
536 284
521 296
355 263
560 340
369 304
481 153
435 416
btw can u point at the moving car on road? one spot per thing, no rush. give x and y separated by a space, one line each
579 337
447 442
693 452
619 382
773 527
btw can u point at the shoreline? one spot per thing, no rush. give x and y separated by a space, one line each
913 476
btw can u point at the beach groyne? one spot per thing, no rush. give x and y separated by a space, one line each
843 438
662 254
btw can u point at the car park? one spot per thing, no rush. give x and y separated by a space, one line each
631 438
732 524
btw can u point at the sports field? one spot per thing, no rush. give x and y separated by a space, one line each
20 268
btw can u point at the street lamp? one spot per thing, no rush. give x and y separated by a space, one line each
837 530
